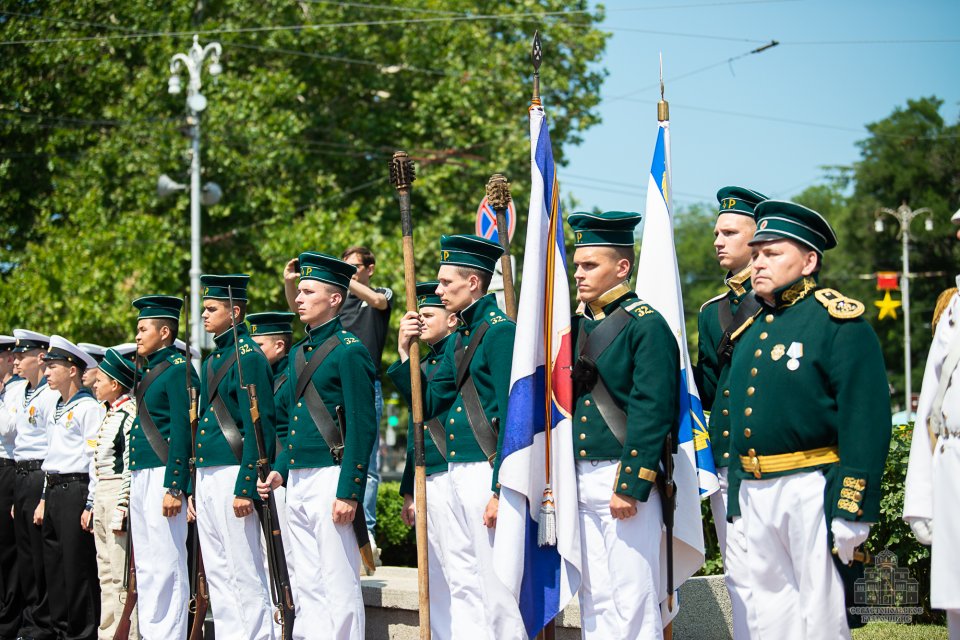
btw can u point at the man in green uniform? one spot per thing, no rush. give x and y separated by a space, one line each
810 420
159 470
328 406
627 399
273 332
439 326
470 387
722 320
228 529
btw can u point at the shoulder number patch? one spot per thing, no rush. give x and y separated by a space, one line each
639 309
838 305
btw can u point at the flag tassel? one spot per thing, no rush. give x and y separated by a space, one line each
547 529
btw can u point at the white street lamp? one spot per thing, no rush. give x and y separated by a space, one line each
904 215
211 193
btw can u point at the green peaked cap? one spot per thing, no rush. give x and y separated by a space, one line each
118 368
607 229
778 220
427 294
271 323
320 266
159 306
219 287
470 251
740 200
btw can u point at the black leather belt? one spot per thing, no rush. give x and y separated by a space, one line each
65 478
7 462
24 466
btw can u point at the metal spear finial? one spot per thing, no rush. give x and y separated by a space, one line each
663 108
536 54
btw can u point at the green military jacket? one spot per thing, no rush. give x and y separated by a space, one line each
641 370
169 405
710 376
809 374
434 461
212 447
490 370
344 379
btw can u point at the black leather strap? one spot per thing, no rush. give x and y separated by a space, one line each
278 382
228 426
484 431
305 370
319 413
157 442
747 310
590 348
435 427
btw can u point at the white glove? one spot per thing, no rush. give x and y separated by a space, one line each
922 529
739 532
847 536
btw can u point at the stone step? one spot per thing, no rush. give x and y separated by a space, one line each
391 600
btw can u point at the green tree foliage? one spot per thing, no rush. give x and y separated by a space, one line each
298 132
912 157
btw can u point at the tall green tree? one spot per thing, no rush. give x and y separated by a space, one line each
314 98
911 157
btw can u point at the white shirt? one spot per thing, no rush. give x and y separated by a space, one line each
34 413
918 492
73 437
11 399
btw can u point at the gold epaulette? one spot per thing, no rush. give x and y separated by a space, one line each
942 301
838 305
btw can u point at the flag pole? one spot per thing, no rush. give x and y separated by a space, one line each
663 115
547 529
498 195
402 175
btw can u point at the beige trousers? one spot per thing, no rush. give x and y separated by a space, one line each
111 559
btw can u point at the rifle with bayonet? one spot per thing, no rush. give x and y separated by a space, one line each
130 577
281 589
199 595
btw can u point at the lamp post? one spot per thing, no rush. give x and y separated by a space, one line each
905 215
193 61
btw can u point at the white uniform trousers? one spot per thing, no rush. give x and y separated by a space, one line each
620 560
733 545
111 561
232 559
797 591
280 494
160 554
444 622
471 492
329 602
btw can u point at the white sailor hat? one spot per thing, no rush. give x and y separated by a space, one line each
7 343
63 349
127 349
27 340
181 346
95 351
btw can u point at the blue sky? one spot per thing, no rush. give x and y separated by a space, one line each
717 140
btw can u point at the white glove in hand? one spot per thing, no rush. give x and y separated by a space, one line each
847 536
922 529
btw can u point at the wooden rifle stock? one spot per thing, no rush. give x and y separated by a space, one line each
130 604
